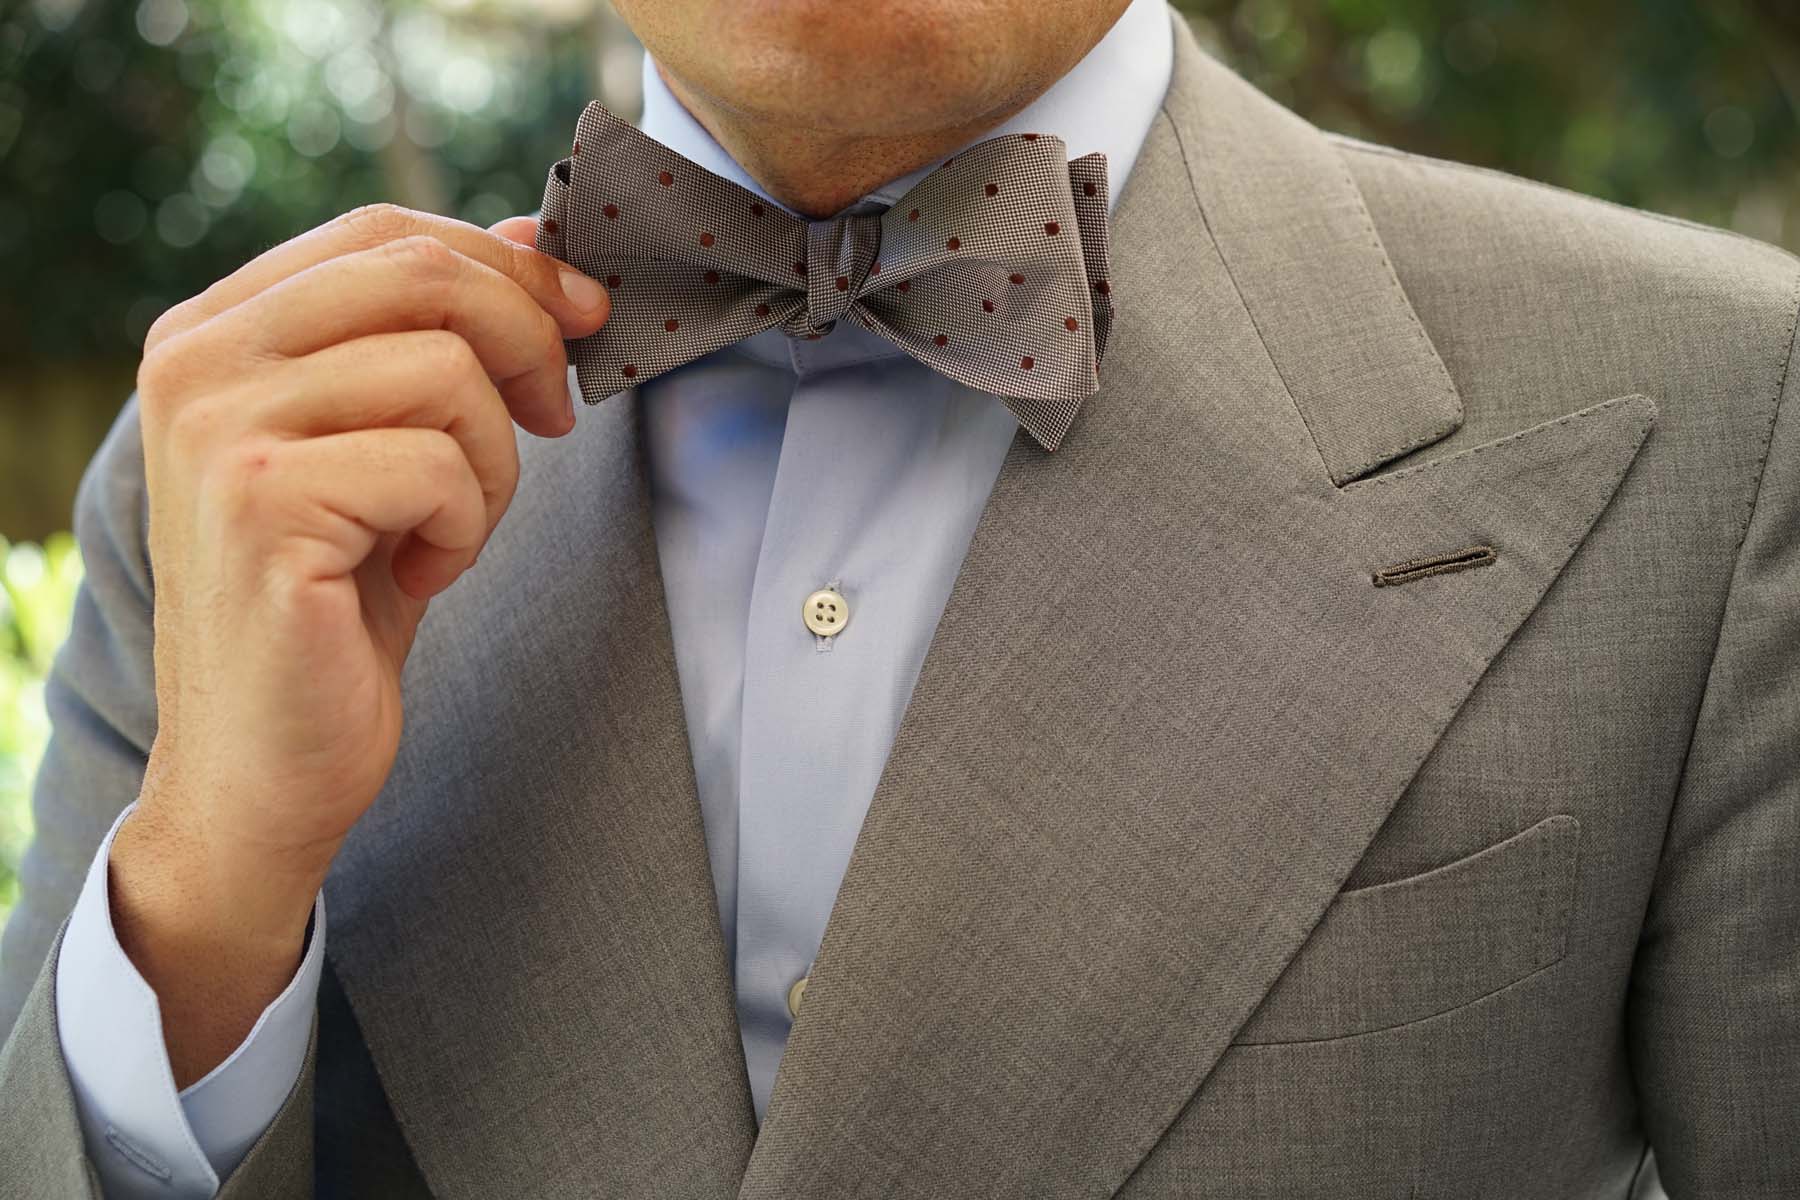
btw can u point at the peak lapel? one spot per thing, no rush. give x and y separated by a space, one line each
1296 239
1166 708
525 922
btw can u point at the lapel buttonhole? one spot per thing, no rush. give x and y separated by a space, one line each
1436 564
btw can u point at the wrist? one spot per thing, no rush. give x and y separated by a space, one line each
215 936
176 897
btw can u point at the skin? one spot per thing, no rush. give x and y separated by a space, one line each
823 101
329 442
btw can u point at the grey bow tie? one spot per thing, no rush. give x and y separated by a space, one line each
993 270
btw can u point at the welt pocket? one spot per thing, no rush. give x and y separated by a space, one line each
1414 948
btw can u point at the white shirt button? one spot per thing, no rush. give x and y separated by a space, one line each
794 995
826 612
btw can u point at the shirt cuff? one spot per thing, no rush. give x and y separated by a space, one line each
143 1137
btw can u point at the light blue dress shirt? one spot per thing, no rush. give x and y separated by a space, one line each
777 467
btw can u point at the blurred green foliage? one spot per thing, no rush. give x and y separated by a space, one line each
150 147
37 592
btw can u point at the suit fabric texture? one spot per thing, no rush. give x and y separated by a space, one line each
1202 866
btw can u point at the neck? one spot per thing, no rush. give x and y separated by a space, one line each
820 172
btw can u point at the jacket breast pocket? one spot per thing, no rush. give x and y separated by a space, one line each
1419 947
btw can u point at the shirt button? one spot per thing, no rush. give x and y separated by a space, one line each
826 612
794 994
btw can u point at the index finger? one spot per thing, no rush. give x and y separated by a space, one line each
576 301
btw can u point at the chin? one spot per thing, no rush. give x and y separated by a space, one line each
876 66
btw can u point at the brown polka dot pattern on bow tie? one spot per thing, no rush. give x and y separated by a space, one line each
709 264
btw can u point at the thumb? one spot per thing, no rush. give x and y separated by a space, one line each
522 230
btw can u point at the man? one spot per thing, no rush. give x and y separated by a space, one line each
1358 761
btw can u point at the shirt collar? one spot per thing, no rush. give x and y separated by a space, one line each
1104 104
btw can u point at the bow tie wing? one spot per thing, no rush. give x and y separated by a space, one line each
1088 187
693 261
990 273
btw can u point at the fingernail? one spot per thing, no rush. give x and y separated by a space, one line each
583 293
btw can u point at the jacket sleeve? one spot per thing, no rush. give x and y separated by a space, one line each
1714 1009
42 1156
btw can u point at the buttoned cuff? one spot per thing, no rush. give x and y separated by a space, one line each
144 1138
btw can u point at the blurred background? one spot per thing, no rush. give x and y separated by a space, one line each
148 147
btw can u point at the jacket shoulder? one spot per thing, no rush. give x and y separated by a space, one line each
1542 300
1504 212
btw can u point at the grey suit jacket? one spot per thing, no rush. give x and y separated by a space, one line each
1221 852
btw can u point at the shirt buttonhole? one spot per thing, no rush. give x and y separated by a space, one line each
137 1156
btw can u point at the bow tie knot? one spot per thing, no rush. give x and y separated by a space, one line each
840 252
992 270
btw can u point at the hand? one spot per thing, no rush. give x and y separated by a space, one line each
328 443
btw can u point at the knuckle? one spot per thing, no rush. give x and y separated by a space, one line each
515 260
422 254
451 365
445 460
451 476
419 453
164 378
157 385
374 224
449 354
167 324
184 399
